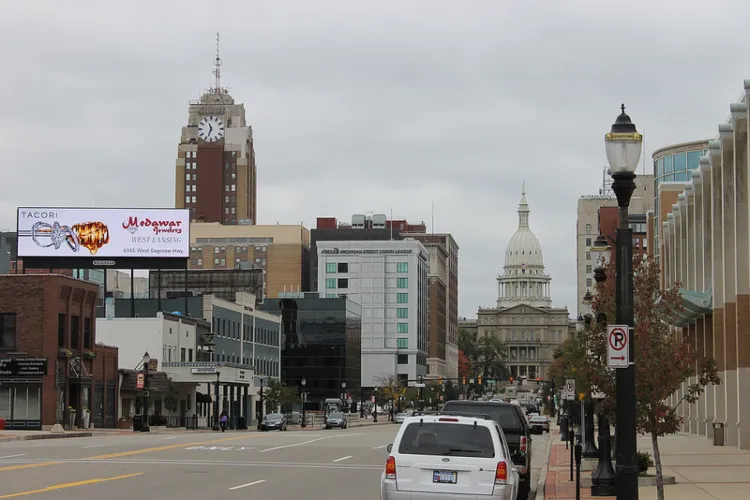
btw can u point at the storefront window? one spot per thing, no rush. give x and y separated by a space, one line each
87 344
7 330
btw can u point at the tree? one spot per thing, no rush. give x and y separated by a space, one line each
464 365
273 395
390 388
663 362
485 356
450 391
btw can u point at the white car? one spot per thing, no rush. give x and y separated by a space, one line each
539 423
446 457
399 418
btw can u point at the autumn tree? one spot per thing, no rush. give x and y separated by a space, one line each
663 362
485 356
390 388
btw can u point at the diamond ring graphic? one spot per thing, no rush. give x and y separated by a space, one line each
56 234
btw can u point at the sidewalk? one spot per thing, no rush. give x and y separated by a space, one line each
702 471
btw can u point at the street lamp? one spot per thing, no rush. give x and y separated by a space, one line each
216 426
623 147
603 478
304 383
343 396
146 362
259 415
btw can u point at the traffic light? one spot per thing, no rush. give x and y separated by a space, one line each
479 380
463 380
539 379
511 379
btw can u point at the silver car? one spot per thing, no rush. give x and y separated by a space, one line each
443 457
399 418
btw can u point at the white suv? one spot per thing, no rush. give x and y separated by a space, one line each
447 457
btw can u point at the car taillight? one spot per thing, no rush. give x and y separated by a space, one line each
523 444
501 473
390 468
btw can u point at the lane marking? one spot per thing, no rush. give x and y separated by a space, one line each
380 447
220 463
69 485
129 453
248 484
342 459
95 446
169 437
293 445
14 456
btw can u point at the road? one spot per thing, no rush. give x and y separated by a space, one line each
335 465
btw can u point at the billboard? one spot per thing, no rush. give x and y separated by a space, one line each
103 237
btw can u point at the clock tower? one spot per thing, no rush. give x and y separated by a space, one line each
215 174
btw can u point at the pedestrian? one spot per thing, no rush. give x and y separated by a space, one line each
223 420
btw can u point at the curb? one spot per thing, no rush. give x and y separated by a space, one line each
34 437
541 485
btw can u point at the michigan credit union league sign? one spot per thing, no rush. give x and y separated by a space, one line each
367 251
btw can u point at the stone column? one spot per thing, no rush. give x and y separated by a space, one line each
717 244
730 291
683 279
708 341
699 285
742 268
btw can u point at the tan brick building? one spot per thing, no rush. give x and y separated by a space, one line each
282 251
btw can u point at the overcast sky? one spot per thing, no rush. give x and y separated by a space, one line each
361 106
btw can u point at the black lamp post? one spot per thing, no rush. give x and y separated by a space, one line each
603 477
216 426
304 422
623 146
420 406
260 404
361 402
343 398
146 362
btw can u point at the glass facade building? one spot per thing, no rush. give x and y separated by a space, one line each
674 164
320 342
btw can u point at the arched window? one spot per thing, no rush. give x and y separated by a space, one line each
588 228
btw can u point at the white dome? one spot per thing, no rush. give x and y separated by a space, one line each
524 250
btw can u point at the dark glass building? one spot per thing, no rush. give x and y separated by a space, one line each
320 342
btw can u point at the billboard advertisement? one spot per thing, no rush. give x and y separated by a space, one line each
98 234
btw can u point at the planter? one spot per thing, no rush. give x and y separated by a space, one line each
86 418
125 423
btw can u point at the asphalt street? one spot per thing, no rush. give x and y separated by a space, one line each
334 464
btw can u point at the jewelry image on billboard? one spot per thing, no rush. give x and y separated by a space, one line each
91 235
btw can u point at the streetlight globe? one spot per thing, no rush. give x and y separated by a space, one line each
304 382
343 384
623 145
146 358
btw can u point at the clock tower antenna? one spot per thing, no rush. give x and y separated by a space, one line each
217 68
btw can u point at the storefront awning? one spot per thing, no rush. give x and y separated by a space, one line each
203 398
157 381
694 305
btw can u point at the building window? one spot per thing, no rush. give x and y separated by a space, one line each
402 298
403 328
61 319
588 282
7 330
330 282
330 267
87 340
226 199
402 359
588 228
343 267
588 242
332 295
192 199
187 199
402 312
402 283
402 343
343 283
588 255
402 267
187 177
588 269
75 323
234 186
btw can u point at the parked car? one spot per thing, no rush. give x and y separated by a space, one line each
273 421
399 418
532 409
447 457
510 418
336 419
539 424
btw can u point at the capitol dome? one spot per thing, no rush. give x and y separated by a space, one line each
524 280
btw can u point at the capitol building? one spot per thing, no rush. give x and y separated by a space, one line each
524 318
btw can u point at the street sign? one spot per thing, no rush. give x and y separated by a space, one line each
618 351
570 389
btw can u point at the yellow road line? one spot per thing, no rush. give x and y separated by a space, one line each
69 485
128 453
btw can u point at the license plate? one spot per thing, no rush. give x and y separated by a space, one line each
445 476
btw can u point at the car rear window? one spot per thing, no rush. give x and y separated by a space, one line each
439 438
506 416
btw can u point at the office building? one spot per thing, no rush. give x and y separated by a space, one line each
281 251
321 343
389 280
215 172
704 247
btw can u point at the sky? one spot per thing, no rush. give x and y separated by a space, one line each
363 106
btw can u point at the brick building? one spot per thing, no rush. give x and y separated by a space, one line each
51 368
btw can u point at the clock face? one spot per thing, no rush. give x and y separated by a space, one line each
211 129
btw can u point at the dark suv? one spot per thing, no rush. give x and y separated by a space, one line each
511 419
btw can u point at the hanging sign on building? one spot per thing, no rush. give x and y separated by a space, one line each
23 367
139 381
